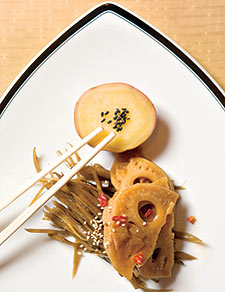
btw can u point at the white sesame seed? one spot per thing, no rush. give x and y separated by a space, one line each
109 210
113 230
85 249
81 246
137 230
85 222
106 244
88 237
118 222
104 251
123 224
79 253
99 213
102 208
109 207
144 223
109 223
99 205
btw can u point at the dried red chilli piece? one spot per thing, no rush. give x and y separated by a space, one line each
103 200
148 213
191 219
139 258
120 220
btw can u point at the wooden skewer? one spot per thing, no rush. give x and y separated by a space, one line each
23 217
33 180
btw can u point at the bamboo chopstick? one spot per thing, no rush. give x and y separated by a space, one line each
13 196
25 215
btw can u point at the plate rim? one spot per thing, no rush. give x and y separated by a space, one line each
132 18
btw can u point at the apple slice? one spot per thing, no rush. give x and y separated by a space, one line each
116 107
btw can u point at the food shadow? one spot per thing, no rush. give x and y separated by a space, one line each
158 141
23 251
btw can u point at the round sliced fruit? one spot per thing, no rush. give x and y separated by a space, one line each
117 107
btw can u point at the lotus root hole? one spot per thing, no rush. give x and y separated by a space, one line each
144 213
156 254
142 180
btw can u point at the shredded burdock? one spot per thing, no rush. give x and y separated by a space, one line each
187 236
76 214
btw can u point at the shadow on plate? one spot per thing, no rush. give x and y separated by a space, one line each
158 141
6 222
27 249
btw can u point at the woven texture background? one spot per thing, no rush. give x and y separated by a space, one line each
26 26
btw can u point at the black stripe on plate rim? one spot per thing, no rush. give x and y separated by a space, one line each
131 18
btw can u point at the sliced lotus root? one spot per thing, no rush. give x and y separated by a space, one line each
125 173
159 265
163 182
118 169
163 257
118 172
130 237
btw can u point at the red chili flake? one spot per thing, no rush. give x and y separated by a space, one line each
120 220
103 200
191 219
139 258
148 213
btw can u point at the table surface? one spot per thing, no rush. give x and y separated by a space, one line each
26 26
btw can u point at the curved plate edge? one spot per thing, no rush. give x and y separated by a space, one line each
131 17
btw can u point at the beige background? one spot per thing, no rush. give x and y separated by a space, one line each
26 26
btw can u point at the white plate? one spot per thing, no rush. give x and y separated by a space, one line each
111 44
